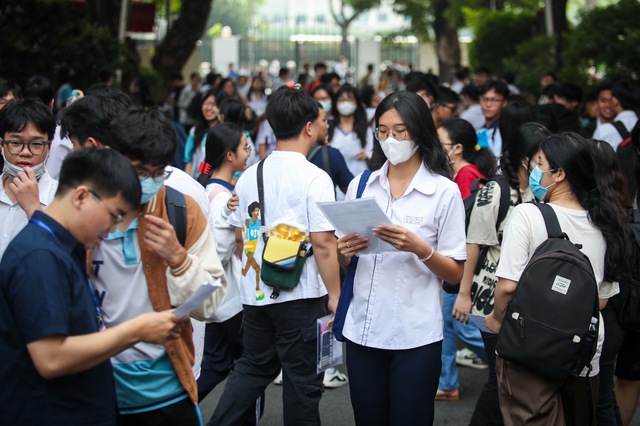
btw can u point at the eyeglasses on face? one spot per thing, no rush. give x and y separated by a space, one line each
157 175
15 147
117 218
382 134
487 100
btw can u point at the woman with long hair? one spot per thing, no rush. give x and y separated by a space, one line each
348 129
564 177
194 150
393 323
468 162
226 153
257 96
484 237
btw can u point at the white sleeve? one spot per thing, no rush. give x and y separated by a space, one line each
516 243
321 190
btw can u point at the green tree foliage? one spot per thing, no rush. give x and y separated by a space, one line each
607 40
41 36
497 35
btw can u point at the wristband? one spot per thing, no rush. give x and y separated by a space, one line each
430 255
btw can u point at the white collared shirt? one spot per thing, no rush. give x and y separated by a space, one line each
608 132
397 300
12 217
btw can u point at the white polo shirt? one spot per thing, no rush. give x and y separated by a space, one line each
397 300
12 217
607 132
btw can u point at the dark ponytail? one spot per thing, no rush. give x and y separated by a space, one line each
462 132
221 139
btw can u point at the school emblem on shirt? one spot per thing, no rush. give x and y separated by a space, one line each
412 220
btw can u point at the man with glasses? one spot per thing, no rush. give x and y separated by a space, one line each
26 129
86 123
55 348
493 98
446 106
145 268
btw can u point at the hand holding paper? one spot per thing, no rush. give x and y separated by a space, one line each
197 298
360 216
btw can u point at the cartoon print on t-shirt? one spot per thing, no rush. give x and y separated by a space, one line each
251 235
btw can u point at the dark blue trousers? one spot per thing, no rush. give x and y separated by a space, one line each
393 387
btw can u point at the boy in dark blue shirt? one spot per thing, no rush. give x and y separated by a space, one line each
56 350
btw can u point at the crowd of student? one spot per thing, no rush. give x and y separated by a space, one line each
93 263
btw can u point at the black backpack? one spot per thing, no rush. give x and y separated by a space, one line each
469 203
627 302
551 325
177 213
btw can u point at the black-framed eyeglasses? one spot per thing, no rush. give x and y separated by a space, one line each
383 134
117 218
158 175
15 147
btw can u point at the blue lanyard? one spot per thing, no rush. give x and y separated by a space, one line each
101 325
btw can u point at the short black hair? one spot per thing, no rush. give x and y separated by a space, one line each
446 96
90 116
418 81
38 86
17 115
143 134
482 70
471 91
498 86
10 87
288 111
605 85
105 171
569 91
627 93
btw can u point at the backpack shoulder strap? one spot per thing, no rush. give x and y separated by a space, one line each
325 159
261 197
364 177
313 152
550 220
505 198
177 212
621 129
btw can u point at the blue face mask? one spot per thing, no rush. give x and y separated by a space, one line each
150 187
538 191
326 106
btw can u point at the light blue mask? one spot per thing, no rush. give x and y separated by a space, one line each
538 191
326 106
150 187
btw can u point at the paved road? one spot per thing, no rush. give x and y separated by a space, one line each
335 406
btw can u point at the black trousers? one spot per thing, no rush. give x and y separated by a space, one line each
281 335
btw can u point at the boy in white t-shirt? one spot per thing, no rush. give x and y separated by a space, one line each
280 330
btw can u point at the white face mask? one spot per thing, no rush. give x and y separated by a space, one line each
398 151
449 156
346 108
12 170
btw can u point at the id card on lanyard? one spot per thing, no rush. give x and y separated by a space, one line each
99 318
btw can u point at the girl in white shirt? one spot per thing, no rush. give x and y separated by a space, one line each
565 177
348 132
393 325
226 153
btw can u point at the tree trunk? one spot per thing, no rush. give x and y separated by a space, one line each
174 51
559 11
447 45
344 44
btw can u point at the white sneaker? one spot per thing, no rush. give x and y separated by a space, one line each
465 357
278 380
334 380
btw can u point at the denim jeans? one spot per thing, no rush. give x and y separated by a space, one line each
453 330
